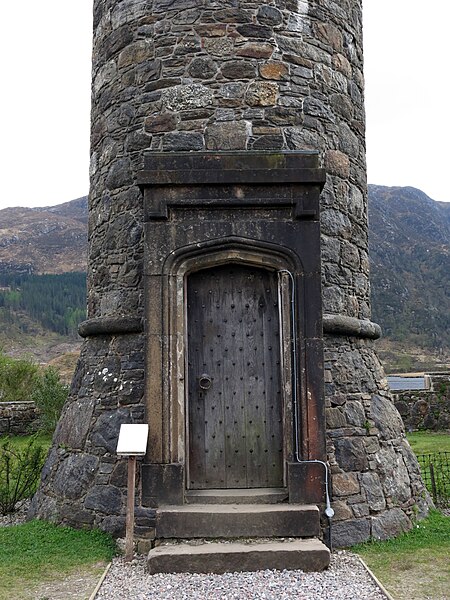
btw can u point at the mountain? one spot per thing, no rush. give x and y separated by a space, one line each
409 239
44 240
410 268
42 292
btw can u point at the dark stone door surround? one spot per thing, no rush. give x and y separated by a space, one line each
206 209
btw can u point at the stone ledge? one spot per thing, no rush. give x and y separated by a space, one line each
332 324
110 326
343 325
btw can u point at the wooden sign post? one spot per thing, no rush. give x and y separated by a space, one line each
132 442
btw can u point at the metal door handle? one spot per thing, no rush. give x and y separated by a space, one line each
205 381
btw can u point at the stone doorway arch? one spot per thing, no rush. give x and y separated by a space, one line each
221 220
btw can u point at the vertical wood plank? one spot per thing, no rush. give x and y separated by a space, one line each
129 521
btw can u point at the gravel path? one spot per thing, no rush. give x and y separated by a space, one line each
346 579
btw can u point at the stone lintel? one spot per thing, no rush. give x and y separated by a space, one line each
298 170
229 162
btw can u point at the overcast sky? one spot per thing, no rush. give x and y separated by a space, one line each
45 101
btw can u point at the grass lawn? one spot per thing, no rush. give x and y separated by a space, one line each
37 553
427 442
414 566
20 441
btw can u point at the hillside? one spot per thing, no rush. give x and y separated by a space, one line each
409 247
44 240
410 270
37 311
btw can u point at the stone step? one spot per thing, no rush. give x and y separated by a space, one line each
222 557
244 496
237 521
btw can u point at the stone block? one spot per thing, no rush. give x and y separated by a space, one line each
390 524
273 70
370 482
162 484
74 423
135 53
337 163
306 555
345 484
306 483
269 15
335 418
355 413
185 97
104 499
267 142
183 140
393 475
160 123
227 135
386 418
106 430
342 512
119 174
348 533
75 475
238 69
202 68
256 50
237 520
262 94
251 30
351 454
113 525
222 46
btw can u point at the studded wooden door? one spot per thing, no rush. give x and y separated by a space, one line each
235 432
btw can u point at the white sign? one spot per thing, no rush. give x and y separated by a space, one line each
132 440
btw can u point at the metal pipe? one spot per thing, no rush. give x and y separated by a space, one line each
329 512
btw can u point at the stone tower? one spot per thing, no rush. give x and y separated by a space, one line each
216 124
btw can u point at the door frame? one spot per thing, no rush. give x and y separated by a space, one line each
214 253
206 208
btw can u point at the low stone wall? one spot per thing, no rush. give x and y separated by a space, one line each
426 409
18 418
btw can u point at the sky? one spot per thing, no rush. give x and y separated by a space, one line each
45 100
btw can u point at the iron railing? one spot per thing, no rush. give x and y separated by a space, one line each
436 475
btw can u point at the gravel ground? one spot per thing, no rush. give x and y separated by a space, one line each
346 579
17 517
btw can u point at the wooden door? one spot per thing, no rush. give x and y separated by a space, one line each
235 433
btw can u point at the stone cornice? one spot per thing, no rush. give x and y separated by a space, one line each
350 326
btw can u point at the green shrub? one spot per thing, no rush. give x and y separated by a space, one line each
49 394
17 378
20 470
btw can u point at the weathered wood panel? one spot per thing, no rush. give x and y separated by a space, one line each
234 387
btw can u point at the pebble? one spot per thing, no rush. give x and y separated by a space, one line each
17 517
345 579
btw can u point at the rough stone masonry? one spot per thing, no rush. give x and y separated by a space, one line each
234 75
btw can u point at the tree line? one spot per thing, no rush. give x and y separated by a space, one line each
57 302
